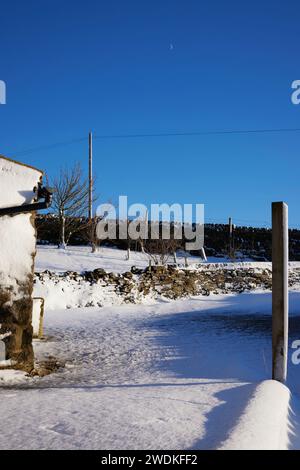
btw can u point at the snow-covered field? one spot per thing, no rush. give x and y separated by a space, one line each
80 258
185 374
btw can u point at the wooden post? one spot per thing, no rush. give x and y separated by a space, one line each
203 254
230 237
279 290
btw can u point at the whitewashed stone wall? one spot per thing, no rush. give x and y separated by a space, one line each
17 252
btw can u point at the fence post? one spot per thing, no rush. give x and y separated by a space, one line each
230 250
279 290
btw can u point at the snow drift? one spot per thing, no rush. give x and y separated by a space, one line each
264 423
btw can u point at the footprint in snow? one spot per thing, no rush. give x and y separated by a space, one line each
59 428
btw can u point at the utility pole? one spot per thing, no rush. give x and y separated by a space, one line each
92 227
90 176
280 303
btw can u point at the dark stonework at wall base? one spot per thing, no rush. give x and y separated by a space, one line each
16 322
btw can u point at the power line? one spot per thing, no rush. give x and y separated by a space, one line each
153 135
197 133
47 147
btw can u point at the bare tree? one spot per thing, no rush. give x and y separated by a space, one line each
160 251
160 248
89 233
70 202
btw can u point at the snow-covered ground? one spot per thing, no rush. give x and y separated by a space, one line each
185 374
63 288
172 375
80 258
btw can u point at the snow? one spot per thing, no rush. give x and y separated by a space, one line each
17 182
188 374
185 374
37 316
17 233
67 293
10 376
263 424
80 258
17 236
64 292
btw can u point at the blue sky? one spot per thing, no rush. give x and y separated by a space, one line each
134 67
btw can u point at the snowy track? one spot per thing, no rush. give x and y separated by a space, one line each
171 375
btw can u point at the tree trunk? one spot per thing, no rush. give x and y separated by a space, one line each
62 243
